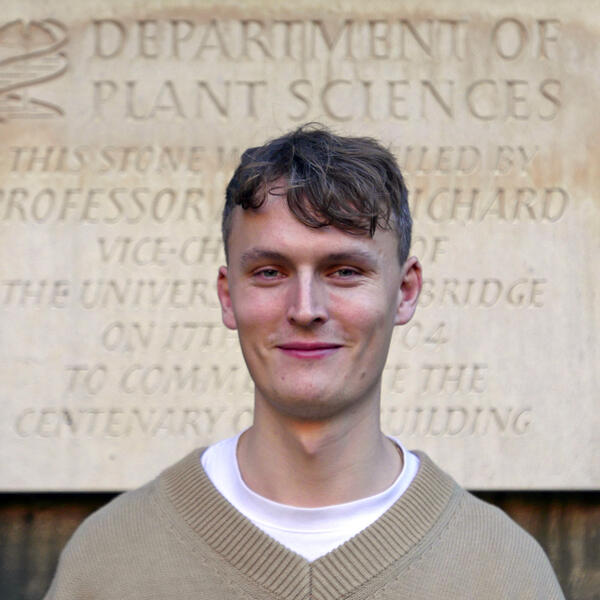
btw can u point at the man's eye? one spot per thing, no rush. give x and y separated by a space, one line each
267 274
346 272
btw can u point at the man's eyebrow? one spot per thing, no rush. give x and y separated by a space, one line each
259 254
255 254
352 255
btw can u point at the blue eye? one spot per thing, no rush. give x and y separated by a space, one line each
268 273
346 272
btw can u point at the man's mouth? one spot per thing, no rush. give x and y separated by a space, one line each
311 350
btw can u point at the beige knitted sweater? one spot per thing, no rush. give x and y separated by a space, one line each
177 538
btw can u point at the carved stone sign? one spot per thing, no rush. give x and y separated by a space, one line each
119 129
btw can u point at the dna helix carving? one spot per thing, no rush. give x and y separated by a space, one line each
30 54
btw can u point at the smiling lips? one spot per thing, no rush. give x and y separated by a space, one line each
313 350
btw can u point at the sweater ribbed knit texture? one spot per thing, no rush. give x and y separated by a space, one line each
178 538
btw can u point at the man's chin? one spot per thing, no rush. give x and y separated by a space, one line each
318 407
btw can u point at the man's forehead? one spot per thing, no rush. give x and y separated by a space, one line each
272 229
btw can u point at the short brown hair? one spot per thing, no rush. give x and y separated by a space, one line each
352 183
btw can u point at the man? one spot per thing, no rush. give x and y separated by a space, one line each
312 501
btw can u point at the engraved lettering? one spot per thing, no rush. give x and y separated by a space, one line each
398 381
109 38
516 102
487 292
149 293
415 334
162 379
289 27
479 101
167 101
57 422
552 96
430 249
397 97
446 104
181 31
251 87
423 160
332 39
457 421
451 379
469 205
147 38
554 204
220 102
296 88
506 159
128 337
43 293
521 421
212 39
509 37
91 379
548 35
326 101
425 45
379 38
21 422
255 34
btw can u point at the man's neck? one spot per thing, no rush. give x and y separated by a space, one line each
317 463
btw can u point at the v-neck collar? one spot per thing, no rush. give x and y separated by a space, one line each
407 527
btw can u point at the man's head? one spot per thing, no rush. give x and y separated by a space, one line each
351 183
317 274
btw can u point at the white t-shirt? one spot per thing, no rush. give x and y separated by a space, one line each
310 532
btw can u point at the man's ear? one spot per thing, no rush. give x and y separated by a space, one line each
225 299
410 288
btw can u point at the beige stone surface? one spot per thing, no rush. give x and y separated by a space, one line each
119 128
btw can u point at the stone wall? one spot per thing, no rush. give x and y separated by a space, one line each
120 128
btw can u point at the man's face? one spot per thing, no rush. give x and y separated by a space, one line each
314 308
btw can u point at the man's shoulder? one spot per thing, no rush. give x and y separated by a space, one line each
109 536
492 526
483 522
114 520
482 544
132 513
480 516
124 536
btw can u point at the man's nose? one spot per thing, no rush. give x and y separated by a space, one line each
307 303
